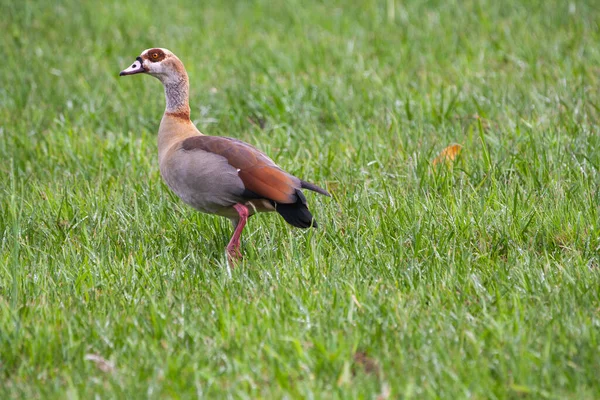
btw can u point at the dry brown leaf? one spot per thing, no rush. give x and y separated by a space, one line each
448 155
369 364
102 363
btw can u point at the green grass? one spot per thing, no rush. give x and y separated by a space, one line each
478 280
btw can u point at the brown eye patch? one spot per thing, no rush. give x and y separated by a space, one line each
155 55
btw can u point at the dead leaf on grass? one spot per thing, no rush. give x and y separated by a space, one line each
448 155
369 365
102 363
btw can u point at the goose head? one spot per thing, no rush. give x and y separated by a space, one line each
160 63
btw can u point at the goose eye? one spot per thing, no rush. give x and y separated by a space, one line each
155 55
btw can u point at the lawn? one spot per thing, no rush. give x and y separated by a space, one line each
477 278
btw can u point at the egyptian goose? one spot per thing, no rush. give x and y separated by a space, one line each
213 174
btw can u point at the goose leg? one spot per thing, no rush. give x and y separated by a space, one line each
233 248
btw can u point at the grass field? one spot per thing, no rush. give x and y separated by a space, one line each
478 279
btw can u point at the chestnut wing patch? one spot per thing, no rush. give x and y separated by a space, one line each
259 174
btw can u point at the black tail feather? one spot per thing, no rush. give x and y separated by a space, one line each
314 188
297 214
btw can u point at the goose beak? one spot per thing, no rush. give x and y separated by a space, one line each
136 68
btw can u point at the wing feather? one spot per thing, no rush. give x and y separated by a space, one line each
258 172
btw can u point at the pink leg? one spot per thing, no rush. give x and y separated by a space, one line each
233 248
